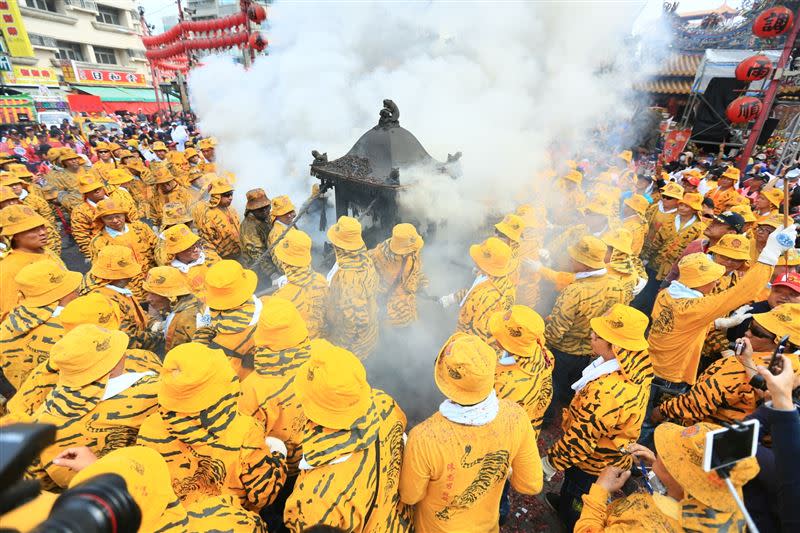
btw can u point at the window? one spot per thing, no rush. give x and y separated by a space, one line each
107 56
41 40
44 5
68 50
139 54
108 15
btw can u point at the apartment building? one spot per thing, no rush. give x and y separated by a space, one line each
76 46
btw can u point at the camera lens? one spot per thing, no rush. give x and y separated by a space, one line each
100 505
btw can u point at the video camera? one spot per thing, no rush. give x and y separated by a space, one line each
99 505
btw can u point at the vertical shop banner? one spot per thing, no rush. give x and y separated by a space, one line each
14 29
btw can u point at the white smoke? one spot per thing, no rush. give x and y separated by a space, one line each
500 82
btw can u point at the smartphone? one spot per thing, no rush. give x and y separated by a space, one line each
726 447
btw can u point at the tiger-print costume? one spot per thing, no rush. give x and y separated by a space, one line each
26 336
493 295
352 313
454 473
721 395
400 307
308 291
528 381
221 513
634 513
231 329
83 419
268 396
567 328
216 451
134 319
219 227
254 236
40 205
140 239
339 492
604 417
669 243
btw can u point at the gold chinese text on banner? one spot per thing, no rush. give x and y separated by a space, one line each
14 29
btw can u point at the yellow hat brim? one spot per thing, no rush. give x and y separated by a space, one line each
350 246
239 295
448 386
492 270
600 327
119 343
325 416
70 283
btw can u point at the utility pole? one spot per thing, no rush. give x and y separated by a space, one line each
146 31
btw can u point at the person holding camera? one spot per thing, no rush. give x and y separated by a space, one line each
724 393
691 499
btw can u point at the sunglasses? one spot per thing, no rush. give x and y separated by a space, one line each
227 194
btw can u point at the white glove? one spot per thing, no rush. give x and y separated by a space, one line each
640 285
738 316
533 265
448 300
280 282
779 241
547 469
333 271
157 326
276 445
544 255
203 320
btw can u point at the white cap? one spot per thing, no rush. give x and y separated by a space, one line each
793 174
761 157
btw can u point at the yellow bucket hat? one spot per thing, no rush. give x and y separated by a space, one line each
205 144
332 386
775 196
146 476
294 249
492 256
693 200
731 173
733 246
162 175
123 154
113 146
256 199
175 213
7 193
405 239
109 206
696 270
464 369
346 234
600 206
622 326
7 179
790 258
672 190
228 285
194 377
682 450
574 176
218 185
88 183
20 170
620 239
281 205
166 281
93 308
774 221
159 146
190 153
280 325
517 330
115 262
532 217
18 218
45 282
54 154
101 147
67 154
118 176
745 211
86 354
626 155
179 238
511 226
782 320
589 251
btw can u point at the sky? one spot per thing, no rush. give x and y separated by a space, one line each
155 10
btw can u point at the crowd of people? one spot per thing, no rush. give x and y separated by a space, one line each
198 354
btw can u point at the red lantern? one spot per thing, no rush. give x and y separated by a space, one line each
257 13
754 68
257 42
743 109
773 22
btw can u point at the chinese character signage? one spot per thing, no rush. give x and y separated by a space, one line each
98 76
32 76
13 29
